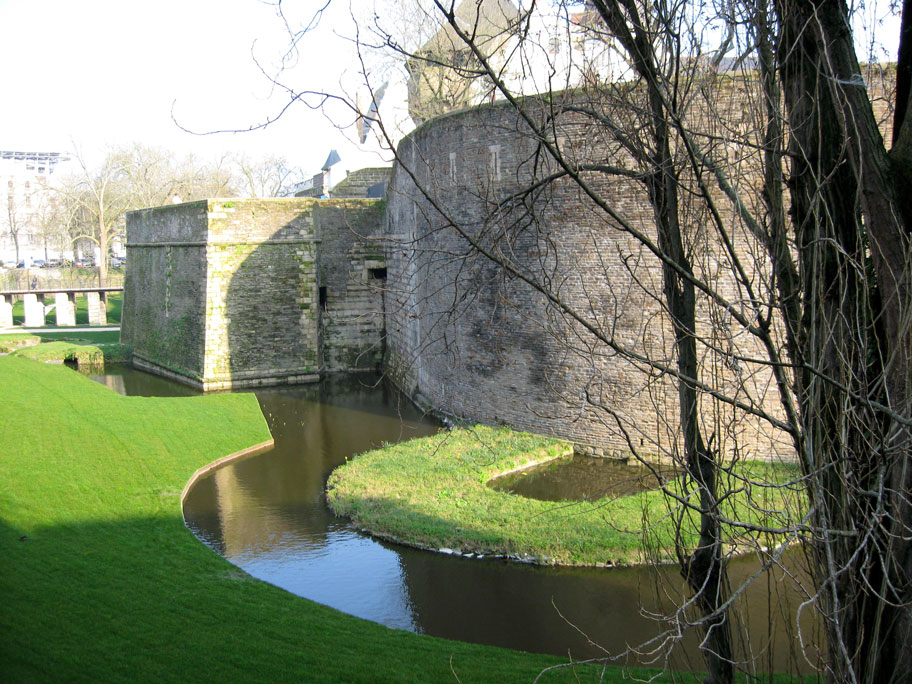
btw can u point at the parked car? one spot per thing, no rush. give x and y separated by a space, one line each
85 262
38 263
118 262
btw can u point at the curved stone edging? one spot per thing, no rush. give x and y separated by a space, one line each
218 463
533 463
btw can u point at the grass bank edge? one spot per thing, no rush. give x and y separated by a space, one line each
103 582
432 493
85 347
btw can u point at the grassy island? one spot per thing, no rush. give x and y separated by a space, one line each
102 582
433 493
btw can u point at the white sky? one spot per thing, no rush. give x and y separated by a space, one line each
97 72
92 73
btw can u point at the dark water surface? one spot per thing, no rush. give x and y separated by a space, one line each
583 478
267 515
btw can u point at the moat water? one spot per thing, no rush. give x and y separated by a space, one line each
267 515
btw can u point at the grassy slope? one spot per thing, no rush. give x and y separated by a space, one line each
110 586
87 335
9 343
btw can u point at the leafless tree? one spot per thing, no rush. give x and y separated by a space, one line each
97 197
780 226
49 222
270 176
15 221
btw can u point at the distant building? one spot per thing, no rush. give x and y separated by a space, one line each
24 176
560 49
360 157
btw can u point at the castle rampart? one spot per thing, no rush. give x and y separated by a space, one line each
236 292
479 340
567 335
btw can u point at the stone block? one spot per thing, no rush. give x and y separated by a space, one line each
34 311
98 310
6 311
65 308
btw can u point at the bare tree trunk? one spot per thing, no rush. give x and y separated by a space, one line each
704 570
103 248
855 346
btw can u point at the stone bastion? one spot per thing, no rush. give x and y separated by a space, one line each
562 332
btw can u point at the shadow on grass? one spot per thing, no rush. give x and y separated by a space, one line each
143 600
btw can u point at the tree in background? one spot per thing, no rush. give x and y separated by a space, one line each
780 224
97 197
16 222
49 224
267 177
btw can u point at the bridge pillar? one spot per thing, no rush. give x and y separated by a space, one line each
98 311
65 303
6 311
34 311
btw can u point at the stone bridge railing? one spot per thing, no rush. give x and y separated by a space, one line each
63 304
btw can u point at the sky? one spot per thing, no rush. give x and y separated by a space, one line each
85 74
89 73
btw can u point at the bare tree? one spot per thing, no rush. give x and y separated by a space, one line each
15 221
267 177
775 256
49 222
97 198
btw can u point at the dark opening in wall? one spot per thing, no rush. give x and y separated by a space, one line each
323 297
377 273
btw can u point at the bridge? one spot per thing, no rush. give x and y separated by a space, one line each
63 304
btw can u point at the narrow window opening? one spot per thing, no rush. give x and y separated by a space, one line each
494 162
377 273
453 168
323 297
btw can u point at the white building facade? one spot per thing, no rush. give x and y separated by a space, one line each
24 217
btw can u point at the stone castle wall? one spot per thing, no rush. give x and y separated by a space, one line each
484 343
570 339
227 292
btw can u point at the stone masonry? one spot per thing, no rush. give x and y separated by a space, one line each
229 293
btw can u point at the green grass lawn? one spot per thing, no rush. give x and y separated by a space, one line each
102 582
81 335
86 347
432 493
115 305
12 342
83 353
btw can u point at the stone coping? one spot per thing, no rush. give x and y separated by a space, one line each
225 460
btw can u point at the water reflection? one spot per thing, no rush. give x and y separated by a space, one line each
583 478
267 515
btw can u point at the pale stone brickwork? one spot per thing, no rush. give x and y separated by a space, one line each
34 310
6 311
352 272
98 308
358 183
226 292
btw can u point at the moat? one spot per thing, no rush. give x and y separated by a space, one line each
267 516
